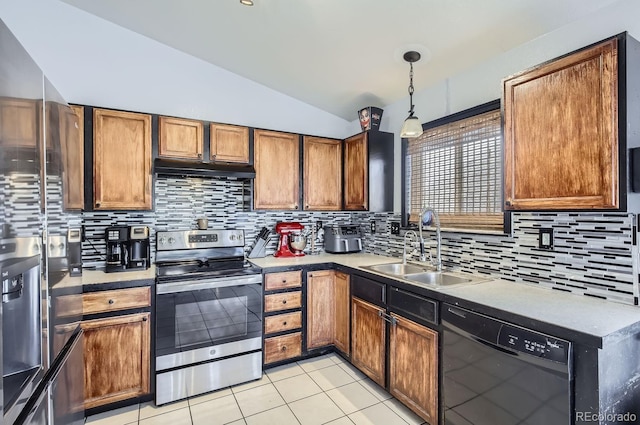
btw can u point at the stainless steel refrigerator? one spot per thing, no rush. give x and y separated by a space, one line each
41 346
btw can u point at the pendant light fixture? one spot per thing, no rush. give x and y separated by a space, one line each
411 126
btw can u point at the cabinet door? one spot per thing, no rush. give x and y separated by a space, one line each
322 174
413 367
561 133
368 340
19 122
180 138
229 143
117 358
356 173
320 308
341 308
122 160
277 163
72 144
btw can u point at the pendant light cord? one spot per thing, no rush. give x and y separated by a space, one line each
411 89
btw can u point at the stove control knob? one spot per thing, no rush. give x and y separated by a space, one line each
171 240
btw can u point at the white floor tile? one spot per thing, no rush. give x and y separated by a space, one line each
331 377
283 372
258 399
122 416
279 416
342 421
252 384
240 422
315 410
149 409
209 396
376 415
315 363
404 412
335 358
219 411
297 387
353 371
375 389
352 397
175 417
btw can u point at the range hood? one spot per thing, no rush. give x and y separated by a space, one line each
203 169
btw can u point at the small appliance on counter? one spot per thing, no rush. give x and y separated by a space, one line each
116 237
138 248
292 240
260 247
342 238
74 252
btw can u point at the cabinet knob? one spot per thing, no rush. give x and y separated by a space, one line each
284 301
310 275
111 301
295 207
284 280
199 155
507 203
284 348
98 204
144 319
284 323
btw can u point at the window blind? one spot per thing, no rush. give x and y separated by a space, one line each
456 168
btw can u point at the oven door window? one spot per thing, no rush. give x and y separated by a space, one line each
207 317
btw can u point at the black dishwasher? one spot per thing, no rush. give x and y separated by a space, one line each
496 373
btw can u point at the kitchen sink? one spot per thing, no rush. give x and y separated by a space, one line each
397 269
437 278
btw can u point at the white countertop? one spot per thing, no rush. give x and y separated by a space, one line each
579 313
98 277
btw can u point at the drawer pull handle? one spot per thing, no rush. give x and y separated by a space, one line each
284 348
284 323
284 280
284 301
111 301
144 319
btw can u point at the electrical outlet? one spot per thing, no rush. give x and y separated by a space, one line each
319 225
545 238
373 226
395 228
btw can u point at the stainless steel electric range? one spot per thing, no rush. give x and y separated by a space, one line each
208 313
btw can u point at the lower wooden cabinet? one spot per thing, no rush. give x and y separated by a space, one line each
368 340
413 367
320 308
117 355
283 347
342 324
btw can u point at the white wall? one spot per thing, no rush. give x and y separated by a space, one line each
92 61
482 83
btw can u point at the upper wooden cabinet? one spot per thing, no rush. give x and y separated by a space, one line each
565 130
180 138
72 144
368 172
122 160
322 174
277 164
229 143
19 122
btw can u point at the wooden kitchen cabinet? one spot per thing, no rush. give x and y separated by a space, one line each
19 122
356 173
122 160
72 145
368 172
564 131
180 138
342 323
368 340
229 143
277 164
322 174
117 355
413 367
320 308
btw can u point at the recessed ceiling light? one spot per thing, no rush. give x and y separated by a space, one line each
247 2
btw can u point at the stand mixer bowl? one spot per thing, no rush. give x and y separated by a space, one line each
297 241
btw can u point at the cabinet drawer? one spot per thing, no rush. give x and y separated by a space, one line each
119 299
282 347
284 301
369 290
283 322
283 280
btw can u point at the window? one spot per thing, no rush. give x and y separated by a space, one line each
455 167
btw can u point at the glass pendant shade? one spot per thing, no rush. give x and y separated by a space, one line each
411 127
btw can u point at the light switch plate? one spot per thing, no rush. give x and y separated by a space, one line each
545 238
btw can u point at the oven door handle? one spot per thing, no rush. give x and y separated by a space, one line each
218 282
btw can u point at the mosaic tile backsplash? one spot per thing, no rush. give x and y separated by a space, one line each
593 253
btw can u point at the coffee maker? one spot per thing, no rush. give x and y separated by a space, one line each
117 238
138 248
292 241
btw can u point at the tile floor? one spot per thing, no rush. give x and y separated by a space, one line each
322 390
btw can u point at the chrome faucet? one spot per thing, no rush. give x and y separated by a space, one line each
404 245
436 220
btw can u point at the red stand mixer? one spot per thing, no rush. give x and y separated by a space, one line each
292 241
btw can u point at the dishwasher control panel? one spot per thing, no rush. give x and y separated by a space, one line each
533 343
